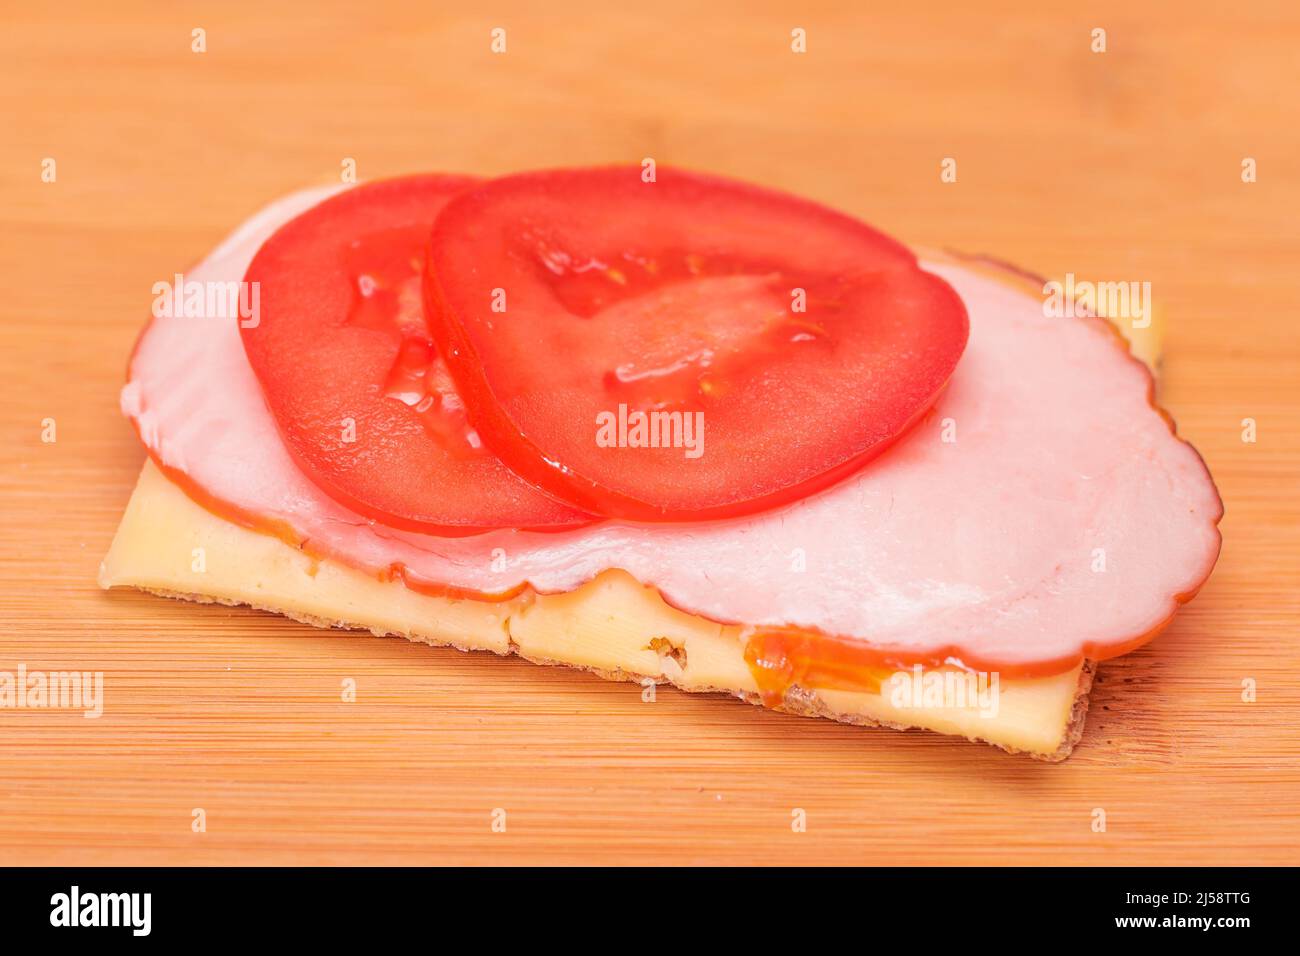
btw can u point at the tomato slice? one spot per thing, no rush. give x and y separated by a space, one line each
686 348
353 380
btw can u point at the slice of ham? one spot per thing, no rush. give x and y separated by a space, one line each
1042 513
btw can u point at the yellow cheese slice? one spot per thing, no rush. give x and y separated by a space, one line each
613 626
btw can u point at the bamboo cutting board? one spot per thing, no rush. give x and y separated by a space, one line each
1122 165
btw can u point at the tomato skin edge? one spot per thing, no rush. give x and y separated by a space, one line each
417 526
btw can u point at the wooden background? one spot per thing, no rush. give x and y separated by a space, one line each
1122 165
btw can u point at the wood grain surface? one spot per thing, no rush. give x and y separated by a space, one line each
1123 165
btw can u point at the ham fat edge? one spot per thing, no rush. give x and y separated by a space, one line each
975 540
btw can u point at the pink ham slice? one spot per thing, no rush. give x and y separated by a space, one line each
1043 512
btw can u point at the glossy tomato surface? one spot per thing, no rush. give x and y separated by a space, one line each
350 373
682 348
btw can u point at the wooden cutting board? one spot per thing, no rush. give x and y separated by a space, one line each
1122 165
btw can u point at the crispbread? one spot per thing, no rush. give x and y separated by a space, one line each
799 701
613 626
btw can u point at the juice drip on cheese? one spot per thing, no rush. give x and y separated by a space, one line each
781 659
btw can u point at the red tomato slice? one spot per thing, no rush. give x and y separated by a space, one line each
589 316
354 382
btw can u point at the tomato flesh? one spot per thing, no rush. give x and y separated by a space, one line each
683 349
355 383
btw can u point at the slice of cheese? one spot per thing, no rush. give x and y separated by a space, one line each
614 626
